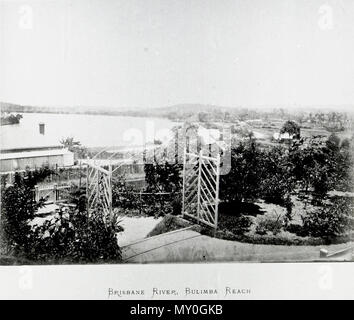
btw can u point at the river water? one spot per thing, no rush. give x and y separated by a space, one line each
90 130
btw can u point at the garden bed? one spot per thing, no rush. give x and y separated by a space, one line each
264 223
283 238
255 224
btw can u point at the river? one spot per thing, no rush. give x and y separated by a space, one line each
90 130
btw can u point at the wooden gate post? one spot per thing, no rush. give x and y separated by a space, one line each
87 190
199 181
110 191
184 180
217 192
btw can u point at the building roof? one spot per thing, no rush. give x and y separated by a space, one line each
33 154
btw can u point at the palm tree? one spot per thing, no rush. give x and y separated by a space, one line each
70 143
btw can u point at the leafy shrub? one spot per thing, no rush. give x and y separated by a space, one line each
274 190
176 204
236 225
165 177
321 165
292 128
239 209
77 197
73 236
330 221
277 182
295 229
243 181
18 207
123 196
152 205
288 204
157 200
269 223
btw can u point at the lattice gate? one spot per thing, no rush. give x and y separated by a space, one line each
201 188
99 183
99 190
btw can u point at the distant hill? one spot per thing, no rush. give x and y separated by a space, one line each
11 107
190 108
180 109
176 112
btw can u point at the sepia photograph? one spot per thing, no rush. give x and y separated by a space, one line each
172 132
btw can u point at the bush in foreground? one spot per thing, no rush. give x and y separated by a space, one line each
75 237
236 225
18 207
330 221
269 223
70 236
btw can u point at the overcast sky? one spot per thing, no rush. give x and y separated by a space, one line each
152 53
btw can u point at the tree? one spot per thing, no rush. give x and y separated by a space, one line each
343 153
277 181
72 235
70 143
167 178
202 117
164 177
292 128
123 195
242 183
320 165
19 206
75 147
331 220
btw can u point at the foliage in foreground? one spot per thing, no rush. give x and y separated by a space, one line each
236 225
75 237
272 223
70 236
165 177
18 208
243 181
330 221
314 166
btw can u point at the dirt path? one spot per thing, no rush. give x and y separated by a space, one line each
136 228
190 246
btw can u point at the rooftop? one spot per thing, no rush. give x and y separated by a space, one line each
32 154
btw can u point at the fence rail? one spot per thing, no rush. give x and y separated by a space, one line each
77 174
52 194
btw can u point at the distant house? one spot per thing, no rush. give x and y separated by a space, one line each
283 137
289 132
32 151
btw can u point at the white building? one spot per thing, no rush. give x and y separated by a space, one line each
283 136
33 150
18 161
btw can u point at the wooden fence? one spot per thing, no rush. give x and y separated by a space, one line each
52 194
78 174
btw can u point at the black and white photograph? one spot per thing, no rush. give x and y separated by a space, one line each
171 132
